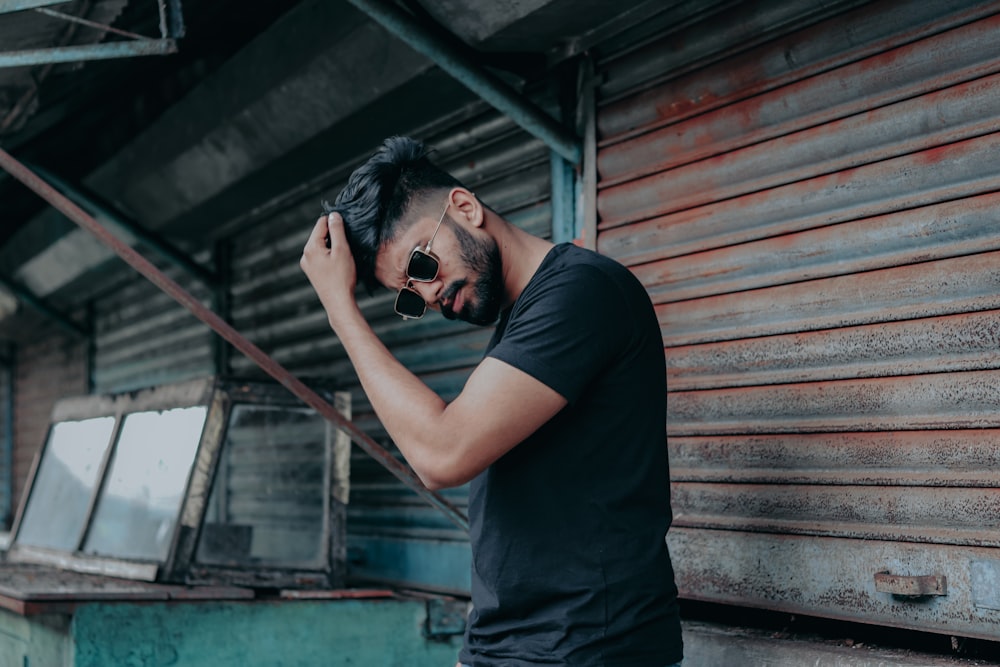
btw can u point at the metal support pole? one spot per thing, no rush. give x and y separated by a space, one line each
470 74
221 303
224 329
92 202
8 453
587 121
564 226
72 54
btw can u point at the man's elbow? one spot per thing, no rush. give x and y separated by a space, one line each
443 475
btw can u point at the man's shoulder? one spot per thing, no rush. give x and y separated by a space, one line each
568 264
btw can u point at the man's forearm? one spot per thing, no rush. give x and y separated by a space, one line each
409 409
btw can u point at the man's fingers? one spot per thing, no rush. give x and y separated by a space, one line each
335 227
319 233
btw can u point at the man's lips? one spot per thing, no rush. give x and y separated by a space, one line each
450 297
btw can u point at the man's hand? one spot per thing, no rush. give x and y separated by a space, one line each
327 262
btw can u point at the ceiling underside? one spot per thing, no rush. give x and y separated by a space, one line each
260 98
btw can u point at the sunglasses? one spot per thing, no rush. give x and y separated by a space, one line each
422 267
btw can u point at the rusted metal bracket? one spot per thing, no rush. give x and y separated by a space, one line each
911 586
226 330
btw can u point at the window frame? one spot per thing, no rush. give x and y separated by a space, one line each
179 566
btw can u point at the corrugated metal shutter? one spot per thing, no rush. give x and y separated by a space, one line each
143 338
815 219
392 534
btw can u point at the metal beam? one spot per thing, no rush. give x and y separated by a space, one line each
71 54
9 6
492 89
226 330
91 201
42 306
171 19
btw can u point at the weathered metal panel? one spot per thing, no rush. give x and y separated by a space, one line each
958 285
963 169
807 201
933 400
392 535
815 221
144 338
965 53
966 341
710 40
715 81
896 458
922 123
934 232
835 577
942 515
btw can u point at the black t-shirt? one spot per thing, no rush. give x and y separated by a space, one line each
569 562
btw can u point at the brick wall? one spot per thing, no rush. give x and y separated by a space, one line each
48 369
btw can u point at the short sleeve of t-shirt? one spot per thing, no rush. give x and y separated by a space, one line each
562 330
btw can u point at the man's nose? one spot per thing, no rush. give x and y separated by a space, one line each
429 291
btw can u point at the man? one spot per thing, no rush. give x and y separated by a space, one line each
560 428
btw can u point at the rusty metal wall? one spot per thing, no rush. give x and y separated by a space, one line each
143 338
392 534
50 368
814 215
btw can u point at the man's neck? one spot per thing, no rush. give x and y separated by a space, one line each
521 254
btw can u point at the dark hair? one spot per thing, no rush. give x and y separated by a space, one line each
380 193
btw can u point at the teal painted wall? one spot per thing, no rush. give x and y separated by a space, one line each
288 633
366 633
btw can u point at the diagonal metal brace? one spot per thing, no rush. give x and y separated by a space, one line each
226 331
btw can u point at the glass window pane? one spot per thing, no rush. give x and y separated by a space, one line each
138 507
67 474
268 501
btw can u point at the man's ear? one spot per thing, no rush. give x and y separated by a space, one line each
467 207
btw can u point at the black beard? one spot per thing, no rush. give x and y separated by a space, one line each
482 256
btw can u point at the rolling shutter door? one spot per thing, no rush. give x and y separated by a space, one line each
815 218
393 535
